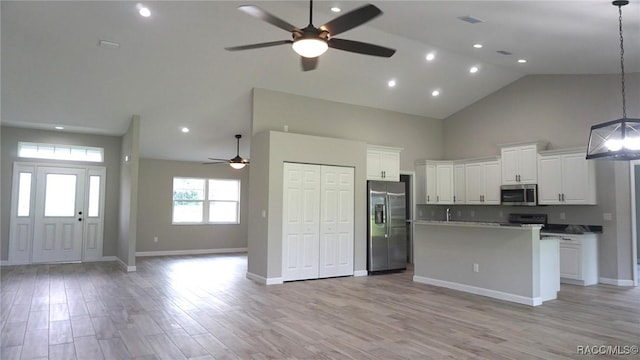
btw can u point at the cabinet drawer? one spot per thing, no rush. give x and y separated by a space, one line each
566 240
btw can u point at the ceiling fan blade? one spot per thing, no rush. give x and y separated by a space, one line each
360 47
308 63
271 19
351 19
259 45
215 162
221 160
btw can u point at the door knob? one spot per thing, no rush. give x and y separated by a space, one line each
79 219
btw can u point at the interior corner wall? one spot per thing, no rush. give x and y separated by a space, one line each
637 203
10 136
155 209
561 110
129 163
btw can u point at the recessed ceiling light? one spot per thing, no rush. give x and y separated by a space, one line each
473 69
336 9
185 129
522 61
391 83
477 46
59 127
430 56
143 10
435 93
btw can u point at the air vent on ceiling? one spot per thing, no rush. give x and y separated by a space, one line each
470 19
504 52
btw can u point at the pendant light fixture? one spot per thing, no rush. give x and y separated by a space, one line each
616 139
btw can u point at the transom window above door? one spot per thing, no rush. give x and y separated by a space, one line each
60 152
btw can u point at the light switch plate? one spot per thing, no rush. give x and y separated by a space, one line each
563 215
607 216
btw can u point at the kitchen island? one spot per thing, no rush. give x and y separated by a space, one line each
504 262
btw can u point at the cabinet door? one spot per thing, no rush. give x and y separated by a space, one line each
444 183
492 179
336 221
528 164
570 262
390 165
549 180
509 165
459 190
431 187
474 180
575 179
301 221
374 166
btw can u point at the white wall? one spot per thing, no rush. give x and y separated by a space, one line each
129 163
155 209
560 109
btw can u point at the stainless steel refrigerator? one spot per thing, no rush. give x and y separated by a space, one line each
387 229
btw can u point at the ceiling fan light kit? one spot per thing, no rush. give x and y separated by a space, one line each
237 162
617 139
311 42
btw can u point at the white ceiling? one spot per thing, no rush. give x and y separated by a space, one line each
173 71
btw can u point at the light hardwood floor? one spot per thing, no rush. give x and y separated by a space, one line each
203 307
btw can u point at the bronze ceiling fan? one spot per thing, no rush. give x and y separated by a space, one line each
311 42
237 162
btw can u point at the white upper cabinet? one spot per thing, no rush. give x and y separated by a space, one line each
482 182
566 178
434 182
459 191
383 163
519 163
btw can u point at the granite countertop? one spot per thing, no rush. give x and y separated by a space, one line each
478 224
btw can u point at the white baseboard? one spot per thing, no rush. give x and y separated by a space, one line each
616 282
124 266
479 291
360 273
108 258
4 263
263 280
191 252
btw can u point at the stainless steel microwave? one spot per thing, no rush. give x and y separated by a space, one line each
520 195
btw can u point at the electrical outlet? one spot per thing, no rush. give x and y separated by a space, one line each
563 215
607 216
264 213
420 212
476 267
459 213
473 213
433 213
155 239
500 214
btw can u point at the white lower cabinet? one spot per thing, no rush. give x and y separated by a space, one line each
579 259
317 229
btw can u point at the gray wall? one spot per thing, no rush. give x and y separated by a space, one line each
559 109
340 134
129 193
10 137
420 137
155 208
637 185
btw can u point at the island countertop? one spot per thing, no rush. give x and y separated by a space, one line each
478 224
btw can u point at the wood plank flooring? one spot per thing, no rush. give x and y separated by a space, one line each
203 307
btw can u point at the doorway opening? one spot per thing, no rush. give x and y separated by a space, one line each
57 213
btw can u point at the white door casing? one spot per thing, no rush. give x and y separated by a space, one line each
56 222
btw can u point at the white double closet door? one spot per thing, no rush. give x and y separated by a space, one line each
318 221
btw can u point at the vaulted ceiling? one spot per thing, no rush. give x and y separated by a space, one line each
172 70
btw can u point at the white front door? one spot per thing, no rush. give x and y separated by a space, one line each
59 206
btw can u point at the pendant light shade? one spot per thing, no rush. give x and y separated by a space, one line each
617 139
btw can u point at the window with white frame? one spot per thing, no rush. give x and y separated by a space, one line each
60 152
206 201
